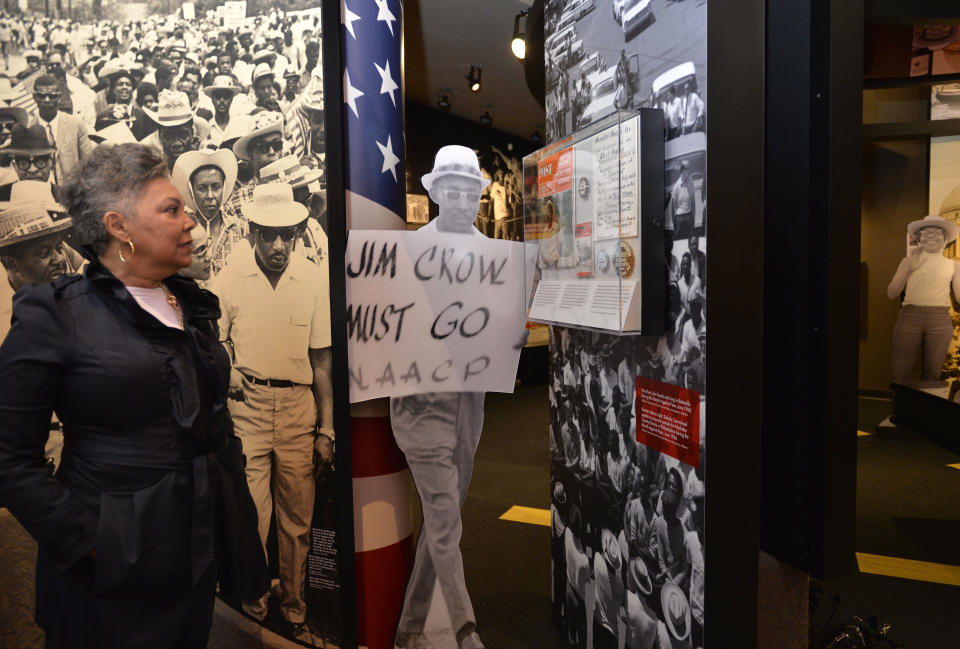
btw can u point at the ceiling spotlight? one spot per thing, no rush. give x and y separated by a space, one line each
485 119
443 99
535 137
474 78
518 45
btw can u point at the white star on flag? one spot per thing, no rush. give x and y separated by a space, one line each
385 15
348 19
351 93
387 84
390 160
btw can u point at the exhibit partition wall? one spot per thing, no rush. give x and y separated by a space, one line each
648 544
811 237
237 98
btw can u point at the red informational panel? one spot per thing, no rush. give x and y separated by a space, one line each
668 419
555 173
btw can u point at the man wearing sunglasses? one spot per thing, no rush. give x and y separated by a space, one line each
29 157
65 133
275 323
255 150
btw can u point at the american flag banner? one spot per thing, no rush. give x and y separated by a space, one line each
23 99
375 188
373 113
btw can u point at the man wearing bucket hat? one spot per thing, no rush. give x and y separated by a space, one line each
206 179
276 324
10 118
925 278
264 89
29 154
439 432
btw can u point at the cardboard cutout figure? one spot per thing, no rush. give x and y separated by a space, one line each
925 278
439 432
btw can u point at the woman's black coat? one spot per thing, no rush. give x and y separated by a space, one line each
151 475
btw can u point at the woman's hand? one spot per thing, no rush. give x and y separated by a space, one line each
914 260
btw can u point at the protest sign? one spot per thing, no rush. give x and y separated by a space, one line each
189 11
234 13
432 311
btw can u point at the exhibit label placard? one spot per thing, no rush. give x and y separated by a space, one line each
668 419
615 164
431 311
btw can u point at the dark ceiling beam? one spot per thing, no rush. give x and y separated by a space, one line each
915 12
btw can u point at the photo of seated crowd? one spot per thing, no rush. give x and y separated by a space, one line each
627 520
238 113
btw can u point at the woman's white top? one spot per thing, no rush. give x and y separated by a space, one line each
154 302
929 285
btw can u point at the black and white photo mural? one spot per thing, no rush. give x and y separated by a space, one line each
627 503
232 95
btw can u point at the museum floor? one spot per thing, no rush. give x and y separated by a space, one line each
908 508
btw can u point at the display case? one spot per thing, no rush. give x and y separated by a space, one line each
594 208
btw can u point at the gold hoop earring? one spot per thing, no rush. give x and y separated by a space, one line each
132 251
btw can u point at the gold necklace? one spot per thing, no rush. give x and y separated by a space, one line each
174 304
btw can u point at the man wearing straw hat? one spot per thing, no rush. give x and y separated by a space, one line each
308 191
607 566
222 93
643 630
31 250
178 130
438 433
276 324
261 145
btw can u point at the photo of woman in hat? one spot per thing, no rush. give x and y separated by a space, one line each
926 279
206 179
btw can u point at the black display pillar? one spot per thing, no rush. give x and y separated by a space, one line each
735 51
814 53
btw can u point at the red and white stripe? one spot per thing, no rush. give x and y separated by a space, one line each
382 502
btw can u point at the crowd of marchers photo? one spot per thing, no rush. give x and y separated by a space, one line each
238 114
627 520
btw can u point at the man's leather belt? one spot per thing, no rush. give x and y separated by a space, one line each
270 383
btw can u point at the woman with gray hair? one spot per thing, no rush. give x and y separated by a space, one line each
131 529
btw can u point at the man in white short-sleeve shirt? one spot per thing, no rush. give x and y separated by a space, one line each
276 322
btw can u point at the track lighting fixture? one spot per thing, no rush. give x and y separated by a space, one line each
518 45
535 137
486 119
473 79
443 99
